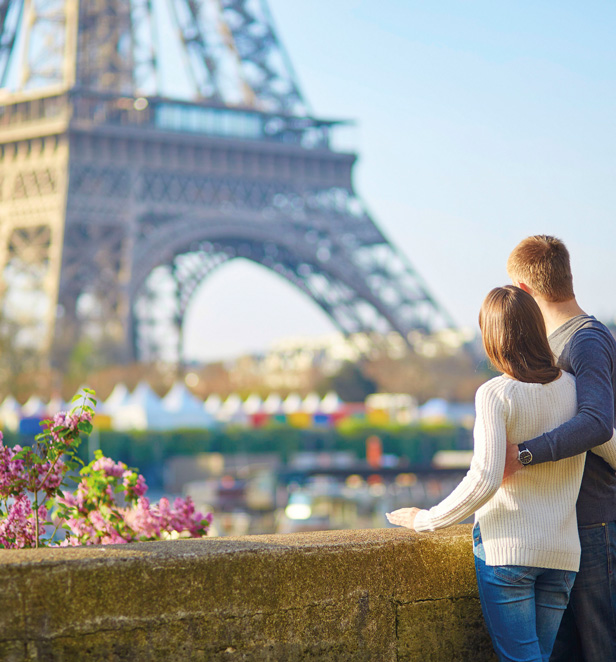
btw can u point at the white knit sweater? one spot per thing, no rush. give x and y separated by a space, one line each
529 519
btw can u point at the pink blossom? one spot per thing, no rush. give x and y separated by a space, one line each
189 519
109 467
50 476
18 528
134 484
68 422
143 521
12 478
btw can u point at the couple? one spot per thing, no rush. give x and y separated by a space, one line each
535 424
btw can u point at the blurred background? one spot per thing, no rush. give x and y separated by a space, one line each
262 232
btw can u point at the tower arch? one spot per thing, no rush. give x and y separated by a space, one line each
116 183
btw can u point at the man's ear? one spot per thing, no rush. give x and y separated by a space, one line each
524 286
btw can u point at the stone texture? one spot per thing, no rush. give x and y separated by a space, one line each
444 630
387 594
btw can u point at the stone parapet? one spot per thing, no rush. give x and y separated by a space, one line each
381 594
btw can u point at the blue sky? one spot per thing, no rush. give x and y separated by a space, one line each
478 123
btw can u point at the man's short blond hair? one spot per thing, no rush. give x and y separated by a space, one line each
542 262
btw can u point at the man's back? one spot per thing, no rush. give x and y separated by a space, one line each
578 343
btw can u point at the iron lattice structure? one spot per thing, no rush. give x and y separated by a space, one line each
145 143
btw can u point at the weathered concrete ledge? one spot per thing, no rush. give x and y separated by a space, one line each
386 594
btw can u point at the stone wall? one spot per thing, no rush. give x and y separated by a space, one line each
383 594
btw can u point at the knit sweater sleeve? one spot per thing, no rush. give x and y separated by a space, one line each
487 466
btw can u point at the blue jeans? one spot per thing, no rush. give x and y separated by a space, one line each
522 606
588 629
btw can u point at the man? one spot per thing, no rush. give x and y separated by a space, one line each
583 346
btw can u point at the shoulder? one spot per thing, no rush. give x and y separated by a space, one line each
494 385
567 379
494 390
564 386
593 340
492 403
593 329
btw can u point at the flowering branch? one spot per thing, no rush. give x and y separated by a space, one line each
108 506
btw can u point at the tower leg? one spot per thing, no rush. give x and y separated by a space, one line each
32 208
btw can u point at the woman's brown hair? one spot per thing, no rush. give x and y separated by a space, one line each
514 336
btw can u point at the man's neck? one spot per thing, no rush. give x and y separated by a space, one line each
556 314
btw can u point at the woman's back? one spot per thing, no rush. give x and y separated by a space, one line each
531 519
536 408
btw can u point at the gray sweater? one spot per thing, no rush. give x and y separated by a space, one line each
586 348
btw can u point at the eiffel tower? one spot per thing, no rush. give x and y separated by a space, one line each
143 144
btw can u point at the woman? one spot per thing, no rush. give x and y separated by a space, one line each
525 537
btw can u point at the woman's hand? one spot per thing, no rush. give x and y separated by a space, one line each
403 517
512 463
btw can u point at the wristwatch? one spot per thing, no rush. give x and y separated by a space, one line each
524 455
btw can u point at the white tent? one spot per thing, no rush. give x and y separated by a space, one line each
10 413
117 398
331 403
57 404
232 410
142 410
436 409
311 403
34 407
212 404
253 404
184 409
292 403
272 404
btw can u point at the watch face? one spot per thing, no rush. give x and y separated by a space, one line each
525 456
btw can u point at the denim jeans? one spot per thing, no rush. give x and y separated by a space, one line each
588 629
522 606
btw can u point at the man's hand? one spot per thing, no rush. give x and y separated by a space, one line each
512 464
403 517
